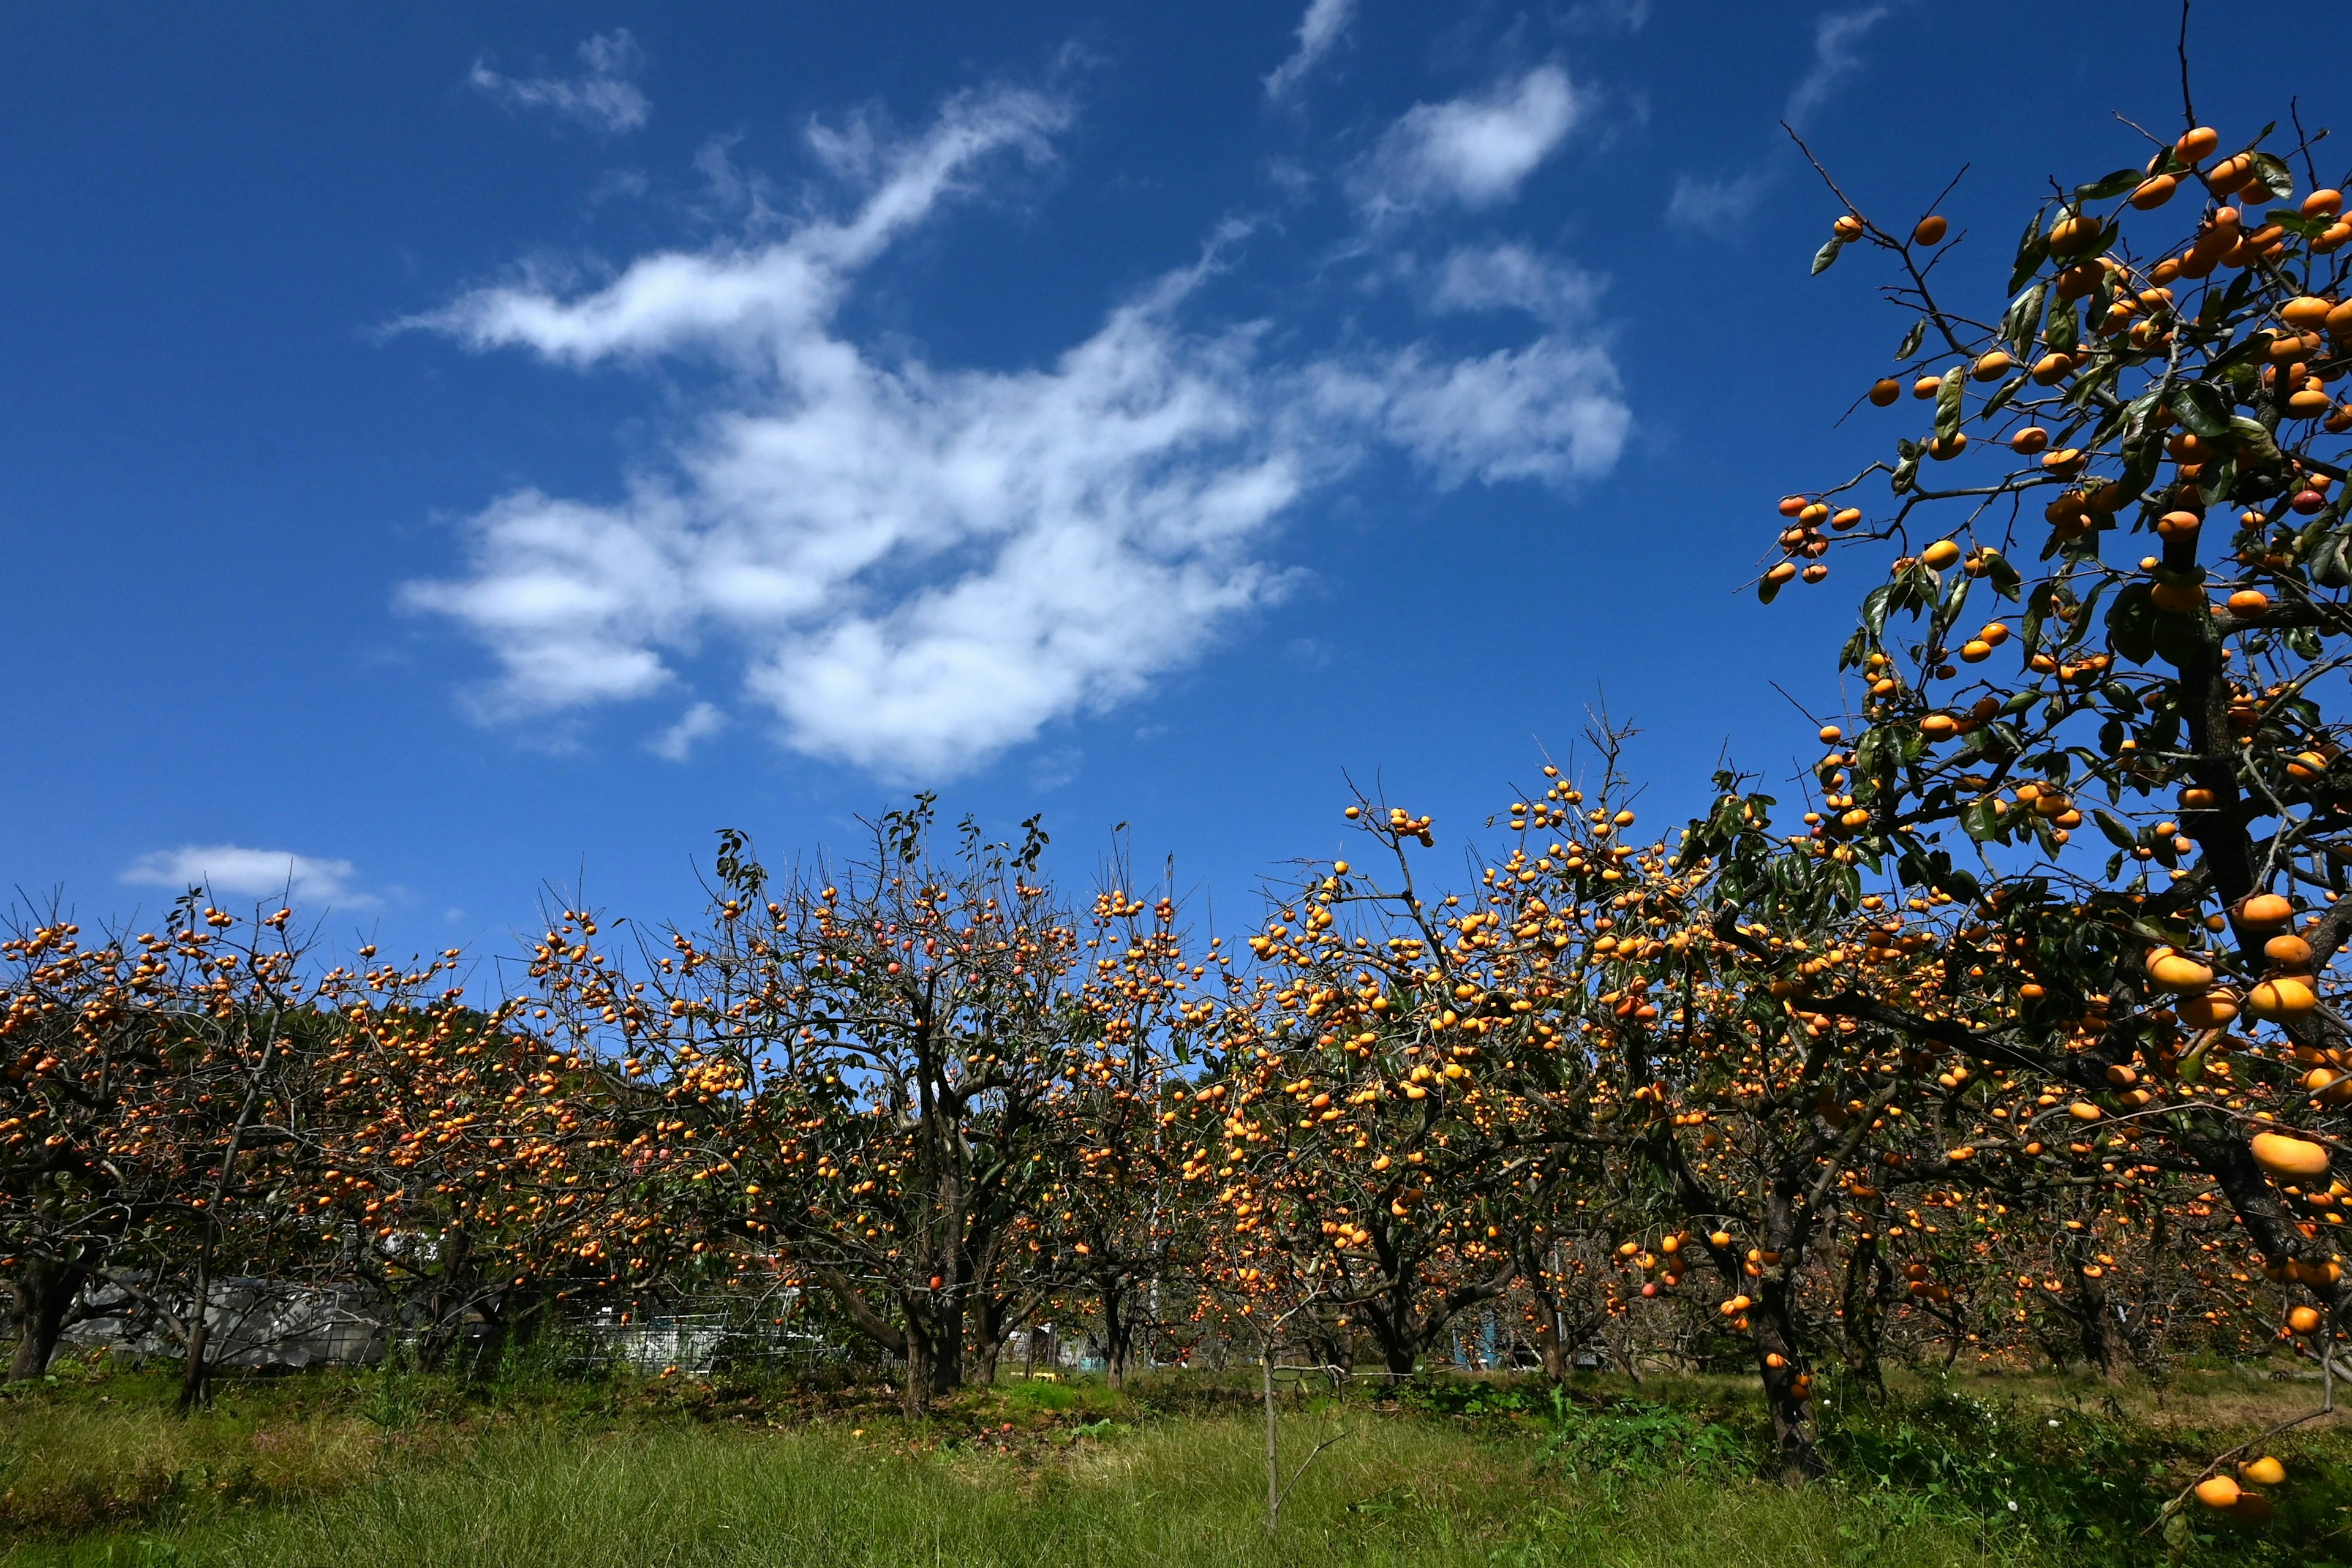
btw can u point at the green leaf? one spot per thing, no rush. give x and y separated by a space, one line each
2275 175
1766 590
2201 407
2063 330
2000 399
2121 837
1979 822
1874 606
2037 609
2131 624
1949 398
1913 339
1906 474
2032 250
1826 255
2004 577
2024 314
2294 222
2109 186
2254 442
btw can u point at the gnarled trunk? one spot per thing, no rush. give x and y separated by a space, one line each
44 1293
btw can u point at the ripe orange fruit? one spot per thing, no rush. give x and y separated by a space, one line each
2034 438
2285 996
1831 734
1931 231
1992 366
2196 146
2051 368
2154 192
2265 1471
2306 313
2288 1157
1927 387
2288 951
1847 227
2262 911
2172 970
2250 604
1944 447
1941 553
2217 1491
2303 1319
1886 391
1846 518
2073 235
2322 204
2229 174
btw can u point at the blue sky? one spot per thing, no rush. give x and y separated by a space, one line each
451 450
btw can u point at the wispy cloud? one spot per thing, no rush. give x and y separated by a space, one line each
1835 57
1472 152
697 724
232 871
1713 206
1320 28
1606 15
919 567
604 97
1513 277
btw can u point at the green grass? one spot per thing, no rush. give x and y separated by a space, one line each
349 1471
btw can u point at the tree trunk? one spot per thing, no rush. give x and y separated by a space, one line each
44 1292
1115 1329
1791 1401
1869 1280
195 1384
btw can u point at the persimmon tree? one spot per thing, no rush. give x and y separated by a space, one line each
2127 784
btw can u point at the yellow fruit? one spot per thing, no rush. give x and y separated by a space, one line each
1992 366
2305 1320
2196 146
2306 312
2265 1471
2285 996
2209 1011
2217 1491
1940 554
2173 970
2288 1157
2264 910
2073 235
2154 192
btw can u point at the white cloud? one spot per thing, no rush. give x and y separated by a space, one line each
1318 31
1607 16
1550 411
697 724
604 96
1511 277
919 567
1715 205
231 871
1471 151
1835 34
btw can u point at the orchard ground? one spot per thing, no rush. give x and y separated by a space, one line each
530 1466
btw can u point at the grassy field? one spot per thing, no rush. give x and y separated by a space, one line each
518 1472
